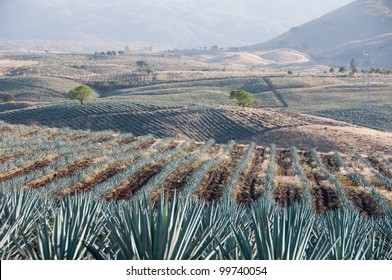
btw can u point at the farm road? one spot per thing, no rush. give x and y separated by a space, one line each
273 89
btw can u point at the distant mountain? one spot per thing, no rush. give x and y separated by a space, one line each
363 25
93 25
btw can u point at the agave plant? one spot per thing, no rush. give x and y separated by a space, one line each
18 211
348 232
63 235
222 217
280 233
172 232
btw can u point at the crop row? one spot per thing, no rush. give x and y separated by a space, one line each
118 167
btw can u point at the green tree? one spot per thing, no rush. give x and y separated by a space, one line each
342 69
141 63
81 93
150 70
244 98
331 70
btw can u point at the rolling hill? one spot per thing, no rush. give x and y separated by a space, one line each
202 122
363 25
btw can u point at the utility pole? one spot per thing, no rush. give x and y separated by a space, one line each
366 62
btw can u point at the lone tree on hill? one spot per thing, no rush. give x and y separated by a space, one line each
244 98
81 93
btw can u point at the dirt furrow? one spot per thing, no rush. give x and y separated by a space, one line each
215 180
323 193
28 167
13 156
178 179
58 174
97 177
287 187
250 186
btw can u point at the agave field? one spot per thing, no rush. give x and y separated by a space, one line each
162 119
73 194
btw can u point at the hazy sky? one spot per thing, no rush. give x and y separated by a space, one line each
181 22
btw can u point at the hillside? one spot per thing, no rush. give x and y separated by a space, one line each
35 88
95 25
61 162
343 34
223 123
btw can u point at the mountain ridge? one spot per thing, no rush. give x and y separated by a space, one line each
361 26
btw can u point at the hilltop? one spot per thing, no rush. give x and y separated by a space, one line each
342 34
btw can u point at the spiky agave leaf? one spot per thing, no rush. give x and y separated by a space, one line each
63 235
172 232
347 230
279 233
18 211
222 216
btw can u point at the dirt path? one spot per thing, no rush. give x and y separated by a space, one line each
273 89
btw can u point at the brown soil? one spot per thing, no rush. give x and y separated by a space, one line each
9 157
284 165
138 180
364 201
213 186
380 167
101 139
135 183
174 145
27 133
286 194
144 145
126 141
6 129
178 179
94 179
325 198
287 184
251 184
330 163
77 136
67 171
28 167
323 193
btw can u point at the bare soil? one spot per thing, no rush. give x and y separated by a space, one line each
323 193
251 183
135 183
91 181
379 166
6 158
213 186
66 171
364 201
28 167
